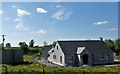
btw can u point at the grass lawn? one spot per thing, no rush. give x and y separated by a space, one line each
33 67
117 57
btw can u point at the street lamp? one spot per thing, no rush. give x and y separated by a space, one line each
3 41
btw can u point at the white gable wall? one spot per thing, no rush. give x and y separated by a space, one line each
57 52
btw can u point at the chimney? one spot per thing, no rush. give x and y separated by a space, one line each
101 39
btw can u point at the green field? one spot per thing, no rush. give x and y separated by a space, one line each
31 66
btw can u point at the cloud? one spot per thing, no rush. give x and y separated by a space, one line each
18 20
58 6
13 6
40 32
112 29
41 10
21 12
1 12
101 22
61 15
20 25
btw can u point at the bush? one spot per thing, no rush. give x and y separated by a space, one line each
12 48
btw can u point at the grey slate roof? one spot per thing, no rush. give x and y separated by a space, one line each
45 51
93 46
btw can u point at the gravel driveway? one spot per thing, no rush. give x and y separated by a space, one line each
45 62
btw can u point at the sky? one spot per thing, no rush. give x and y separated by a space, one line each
60 0
50 21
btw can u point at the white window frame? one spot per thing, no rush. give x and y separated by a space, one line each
60 59
102 58
107 57
54 56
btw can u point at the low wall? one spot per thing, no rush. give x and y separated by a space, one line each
11 56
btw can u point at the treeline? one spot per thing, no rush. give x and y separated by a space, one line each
27 48
31 48
114 45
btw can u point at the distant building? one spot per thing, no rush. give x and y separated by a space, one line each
79 53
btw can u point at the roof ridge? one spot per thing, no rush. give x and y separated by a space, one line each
75 40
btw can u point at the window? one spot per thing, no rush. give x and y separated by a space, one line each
71 58
107 57
57 47
48 55
102 58
52 50
54 56
61 59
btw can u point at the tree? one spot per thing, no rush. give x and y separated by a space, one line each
31 43
8 45
23 46
110 43
37 46
53 44
117 45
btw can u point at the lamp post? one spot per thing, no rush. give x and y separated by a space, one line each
3 41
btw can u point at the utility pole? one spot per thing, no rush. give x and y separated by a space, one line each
3 41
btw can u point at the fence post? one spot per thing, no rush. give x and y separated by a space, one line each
54 72
43 71
5 69
19 72
83 72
